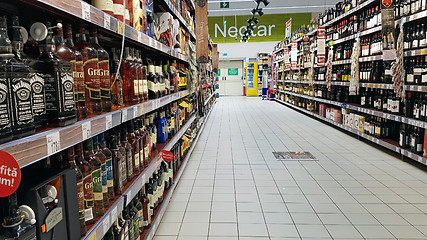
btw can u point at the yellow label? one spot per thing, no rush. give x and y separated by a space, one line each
121 27
423 51
93 236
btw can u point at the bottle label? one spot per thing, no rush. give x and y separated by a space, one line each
419 147
104 177
140 87
412 142
151 86
21 98
104 72
129 160
424 78
145 86
79 81
97 184
81 199
38 94
415 43
88 214
136 87
67 90
141 218
4 105
123 170
401 137
410 78
88 191
147 152
92 81
110 175
136 159
141 156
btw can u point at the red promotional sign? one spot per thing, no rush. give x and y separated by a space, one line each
10 174
167 156
387 3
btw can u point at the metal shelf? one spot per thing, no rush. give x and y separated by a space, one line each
176 14
371 58
415 52
358 34
378 141
209 98
41 145
106 221
412 17
89 13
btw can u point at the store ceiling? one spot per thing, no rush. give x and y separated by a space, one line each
243 7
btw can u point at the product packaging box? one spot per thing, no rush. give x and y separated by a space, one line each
149 13
355 121
322 110
351 120
137 14
338 116
361 124
163 28
425 144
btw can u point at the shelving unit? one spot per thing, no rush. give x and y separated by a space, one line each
289 81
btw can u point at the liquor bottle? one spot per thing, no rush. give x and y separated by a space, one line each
423 108
118 231
140 208
153 133
128 153
130 83
17 75
146 211
101 156
418 69
424 72
78 76
90 68
86 170
174 78
124 225
161 81
108 164
167 79
149 190
416 108
133 211
136 73
152 81
131 138
407 37
138 137
96 177
16 224
144 82
416 142
162 134
127 217
71 156
408 109
423 35
139 70
117 98
119 165
410 71
104 72
147 143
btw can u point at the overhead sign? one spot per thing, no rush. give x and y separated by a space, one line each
224 5
270 27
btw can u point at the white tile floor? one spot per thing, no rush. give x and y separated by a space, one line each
233 187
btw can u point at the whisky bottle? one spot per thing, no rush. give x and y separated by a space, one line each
96 177
86 170
119 165
137 61
116 82
161 81
71 156
135 218
17 75
146 142
100 155
5 100
152 81
131 138
130 83
136 130
124 225
128 153
78 76
127 217
37 82
104 72
15 224
90 69
140 208
109 165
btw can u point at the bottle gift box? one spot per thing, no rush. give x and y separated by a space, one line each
163 28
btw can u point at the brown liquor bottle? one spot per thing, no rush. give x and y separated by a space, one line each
104 72
144 82
138 133
90 69
116 82
5 101
145 135
86 170
69 154
146 211
78 76
59 85
100 155
130 85
96 176
17 74
131 138
108 164
14 222
139 68
119 166
128 153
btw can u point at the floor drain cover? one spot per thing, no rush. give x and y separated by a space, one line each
294 156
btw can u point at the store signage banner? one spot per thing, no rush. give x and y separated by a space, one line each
294 55
271 27
288 27
321 46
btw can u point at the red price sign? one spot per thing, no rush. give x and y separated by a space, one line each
10 174
167 156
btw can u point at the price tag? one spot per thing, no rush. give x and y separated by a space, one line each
140 37
86 130
409 154
156 44
128 197
106 224
151 42
423 52
120 27
93 236
143 179
53 143
141 109
85 11
124 115
107 23
108 122
397 149
113 215
420 88
136 111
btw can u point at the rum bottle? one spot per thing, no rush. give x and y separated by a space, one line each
104 72
108 164
96 177
100 155
128 153
90 69
119 166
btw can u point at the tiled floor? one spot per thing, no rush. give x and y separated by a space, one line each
233 187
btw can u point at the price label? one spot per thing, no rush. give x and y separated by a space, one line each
124 115
423 52
140 37
156 44
136 111
141 109
53 143
128 197
107 23
86 130
410 154
113 215
93 236
143 179
108 122
120 27
150 41
85 11
397 149
420 88
106 224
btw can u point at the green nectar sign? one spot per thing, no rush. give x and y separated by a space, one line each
271 27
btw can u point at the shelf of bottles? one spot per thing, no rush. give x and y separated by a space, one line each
110 22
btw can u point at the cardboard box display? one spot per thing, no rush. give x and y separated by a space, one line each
149 13
338 116
361 124
355 121
163 28
351 120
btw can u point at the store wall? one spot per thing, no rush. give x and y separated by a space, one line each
243 50
230 80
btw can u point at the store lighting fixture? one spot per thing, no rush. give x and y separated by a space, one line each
253 20
266 2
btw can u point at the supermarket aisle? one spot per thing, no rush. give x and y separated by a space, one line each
233 187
